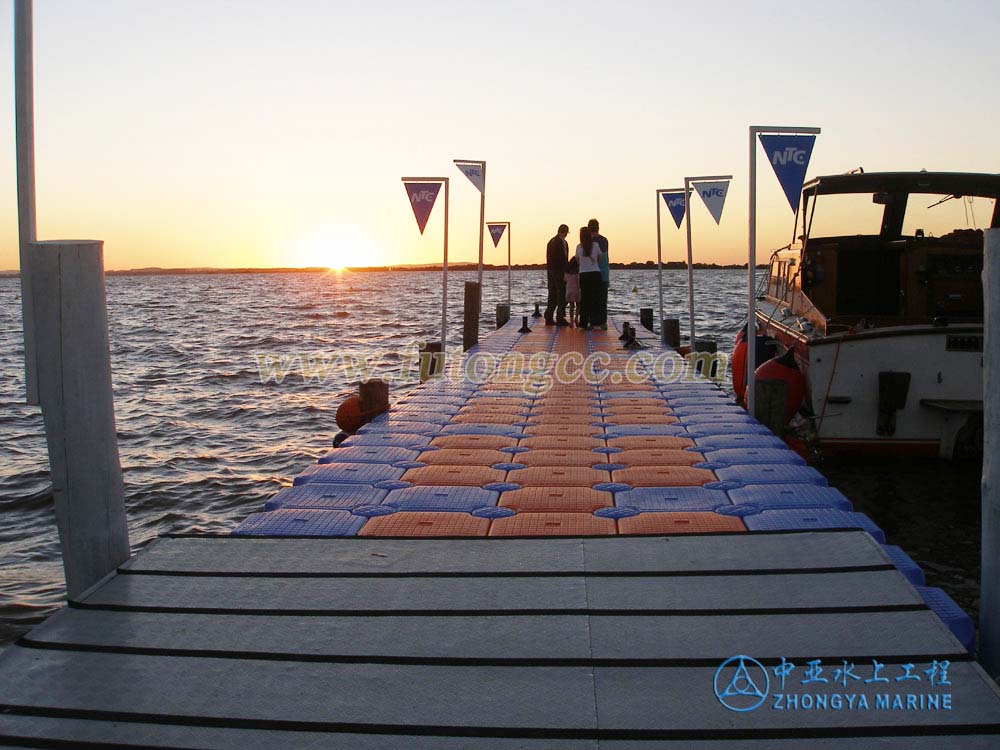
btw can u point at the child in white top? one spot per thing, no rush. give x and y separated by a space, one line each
591 281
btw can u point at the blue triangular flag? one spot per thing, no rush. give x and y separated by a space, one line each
675 202
789 157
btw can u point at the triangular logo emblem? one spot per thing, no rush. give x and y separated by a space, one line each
714 196
422 196
742 684
677 206
789 156
496 232
474 172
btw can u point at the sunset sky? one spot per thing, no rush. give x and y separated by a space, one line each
246 133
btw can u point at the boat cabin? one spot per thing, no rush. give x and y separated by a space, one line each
888 249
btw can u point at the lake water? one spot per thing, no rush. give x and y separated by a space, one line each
204 442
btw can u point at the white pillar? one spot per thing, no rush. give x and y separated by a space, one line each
74 379
751 338
24 116
659 255
687 221
989 599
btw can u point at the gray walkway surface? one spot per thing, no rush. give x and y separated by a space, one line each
457 644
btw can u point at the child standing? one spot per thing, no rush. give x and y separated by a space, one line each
573 290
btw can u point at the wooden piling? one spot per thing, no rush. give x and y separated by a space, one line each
503 315
989 599
472 308
646 318
670 332
74 378
431 361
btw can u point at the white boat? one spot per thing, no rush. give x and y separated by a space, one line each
880 297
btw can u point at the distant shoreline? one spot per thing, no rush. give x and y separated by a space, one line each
646 266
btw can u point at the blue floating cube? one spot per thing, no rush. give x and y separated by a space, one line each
471 428
368 454
677 499
388 440
301 523
626 395
723 457
953 616
348 473
710 442
711 417
319 496
727 428
780 496
444 498
421 417
707 401
720 408
905 564
398 426
806 519
746 474
632 430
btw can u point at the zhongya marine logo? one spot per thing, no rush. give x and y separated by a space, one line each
741 683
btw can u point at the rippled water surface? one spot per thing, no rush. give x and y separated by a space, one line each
204 442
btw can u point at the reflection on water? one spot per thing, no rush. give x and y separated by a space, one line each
204 442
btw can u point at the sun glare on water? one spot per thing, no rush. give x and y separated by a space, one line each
336 249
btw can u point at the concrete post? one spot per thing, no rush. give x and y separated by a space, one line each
74 379
646 318
670 332
989 599
470 322
431 361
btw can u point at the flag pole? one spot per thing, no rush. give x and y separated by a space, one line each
659 254
482 219
24 115
751 335
508 265
687 222
444 279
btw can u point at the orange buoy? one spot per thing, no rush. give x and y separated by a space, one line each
739 367
683 350
349 417
785 368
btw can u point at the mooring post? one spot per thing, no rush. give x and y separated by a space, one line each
470 324
670 332
646 318
70 314
373 397
989 598
503 315
769 404
431 361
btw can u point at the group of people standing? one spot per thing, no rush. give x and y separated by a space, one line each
580 282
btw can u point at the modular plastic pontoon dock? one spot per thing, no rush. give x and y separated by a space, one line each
623 565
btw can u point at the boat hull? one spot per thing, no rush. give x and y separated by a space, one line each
852 412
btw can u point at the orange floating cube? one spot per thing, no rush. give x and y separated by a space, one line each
426 524
656 457
557 476
456 476
679 523
464 457
647 441
564 442
556 500
663 476
551 524
488 442
559 457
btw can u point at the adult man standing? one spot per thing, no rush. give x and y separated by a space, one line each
602 303
556 258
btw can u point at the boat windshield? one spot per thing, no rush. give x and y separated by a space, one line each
844 215
936 215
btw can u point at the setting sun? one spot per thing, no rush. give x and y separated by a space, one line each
336 248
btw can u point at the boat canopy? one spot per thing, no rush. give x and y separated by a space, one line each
979 185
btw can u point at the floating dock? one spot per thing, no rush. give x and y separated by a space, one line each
632 563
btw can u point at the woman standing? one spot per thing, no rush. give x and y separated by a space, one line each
588 255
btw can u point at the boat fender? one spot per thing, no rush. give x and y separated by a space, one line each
785 368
